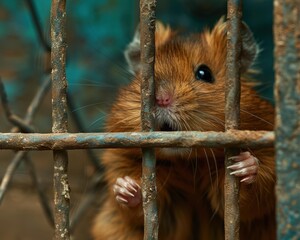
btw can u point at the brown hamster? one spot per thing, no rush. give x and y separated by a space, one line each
190 77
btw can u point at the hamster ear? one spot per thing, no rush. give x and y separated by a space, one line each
250 48
163 33
133 53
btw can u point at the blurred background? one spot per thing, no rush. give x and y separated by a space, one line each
97 32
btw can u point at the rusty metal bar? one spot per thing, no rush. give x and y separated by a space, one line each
232 116
147 33
60 141
287 132
60 118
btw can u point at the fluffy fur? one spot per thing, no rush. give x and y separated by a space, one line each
190 182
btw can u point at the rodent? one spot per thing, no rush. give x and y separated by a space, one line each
190 87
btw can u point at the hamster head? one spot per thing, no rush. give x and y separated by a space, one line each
190 76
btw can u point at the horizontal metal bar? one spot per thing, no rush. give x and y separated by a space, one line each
59 141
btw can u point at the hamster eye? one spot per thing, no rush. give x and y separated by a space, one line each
204 73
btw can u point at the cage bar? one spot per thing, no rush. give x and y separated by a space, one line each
232 116
60 118
60 141
287 51
287 131
147 33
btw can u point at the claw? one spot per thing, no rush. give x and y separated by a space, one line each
121 200
235 166
246 166
249 179
127 192
239 173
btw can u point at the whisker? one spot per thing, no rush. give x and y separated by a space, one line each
197 120
86 106
208 165
212 117
125 120
96 121
195 171
264 86
121 65
100 85
186 125
216 166
257 117
167 178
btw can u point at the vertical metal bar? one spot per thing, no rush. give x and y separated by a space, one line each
287 131
232 116
60 118
147 29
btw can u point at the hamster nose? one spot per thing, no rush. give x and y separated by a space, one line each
163 100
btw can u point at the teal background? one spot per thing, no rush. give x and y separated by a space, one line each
98 31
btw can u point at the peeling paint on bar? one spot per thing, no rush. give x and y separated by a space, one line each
232 116
60 118
60 141
147 30
287 127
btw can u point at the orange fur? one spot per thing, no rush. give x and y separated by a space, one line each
190 183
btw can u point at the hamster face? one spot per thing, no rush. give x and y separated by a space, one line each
189 78
190 75
189 87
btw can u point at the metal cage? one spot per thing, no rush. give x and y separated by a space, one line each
287 65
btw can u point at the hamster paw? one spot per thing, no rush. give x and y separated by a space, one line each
127 192
246 167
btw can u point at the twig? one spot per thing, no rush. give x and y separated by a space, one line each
35 103
96 184
12 118
92 155
41 194
37 100
37 25
9 173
